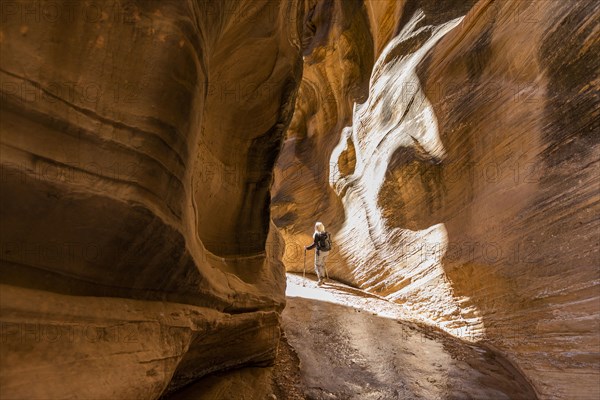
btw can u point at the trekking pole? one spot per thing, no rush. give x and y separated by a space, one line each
304 273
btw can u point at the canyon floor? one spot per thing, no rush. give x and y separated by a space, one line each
342 343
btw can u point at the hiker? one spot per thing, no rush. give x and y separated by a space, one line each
322 241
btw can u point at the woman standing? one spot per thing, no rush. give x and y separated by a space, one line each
322 241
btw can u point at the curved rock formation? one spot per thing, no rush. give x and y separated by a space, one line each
462 180
138 141
450 146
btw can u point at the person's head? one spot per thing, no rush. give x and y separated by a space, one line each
319 227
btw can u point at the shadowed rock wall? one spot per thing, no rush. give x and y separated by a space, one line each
454 157
138 140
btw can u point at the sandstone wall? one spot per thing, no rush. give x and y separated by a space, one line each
138 140
461 180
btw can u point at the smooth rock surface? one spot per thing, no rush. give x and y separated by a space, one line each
450 146
352 346
461 180
137 146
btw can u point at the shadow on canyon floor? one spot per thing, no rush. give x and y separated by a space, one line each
347 344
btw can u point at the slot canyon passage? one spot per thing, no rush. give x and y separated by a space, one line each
164 163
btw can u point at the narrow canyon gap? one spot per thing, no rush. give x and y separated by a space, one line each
163 163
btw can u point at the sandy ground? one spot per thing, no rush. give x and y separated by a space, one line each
341 343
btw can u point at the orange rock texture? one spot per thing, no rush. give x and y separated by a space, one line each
138 142
451 148
160 159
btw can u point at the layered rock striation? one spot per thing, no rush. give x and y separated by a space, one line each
138 141
451 148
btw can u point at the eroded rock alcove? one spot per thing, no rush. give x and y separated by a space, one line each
163 164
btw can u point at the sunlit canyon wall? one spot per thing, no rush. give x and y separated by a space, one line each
451 147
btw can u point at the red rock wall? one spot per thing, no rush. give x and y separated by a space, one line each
138 140
462 181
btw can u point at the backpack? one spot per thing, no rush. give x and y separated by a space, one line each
323 241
